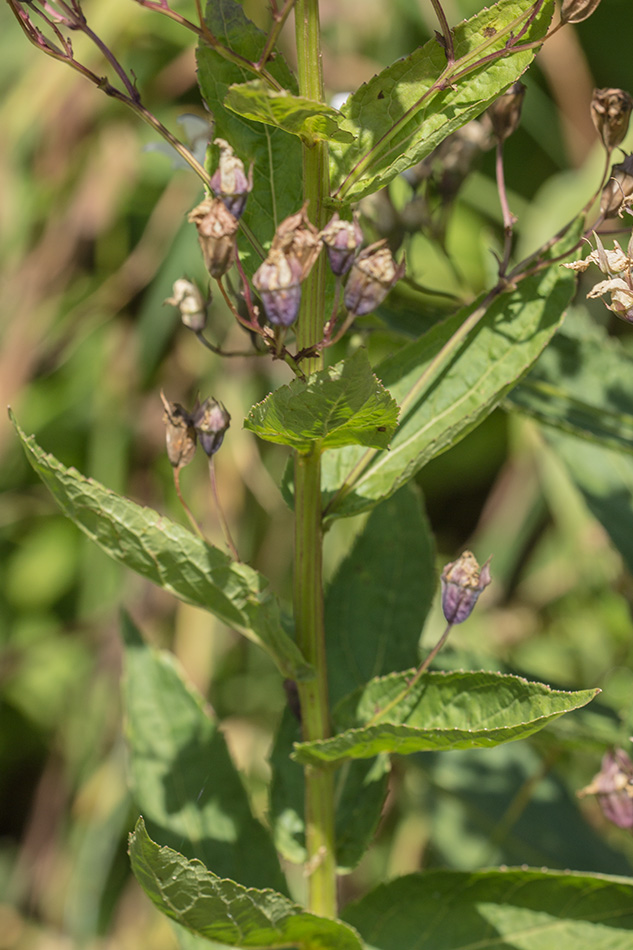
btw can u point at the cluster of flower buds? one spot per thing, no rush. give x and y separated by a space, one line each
207 423
462 582
293 254
610 112
618 268
613 786
575 11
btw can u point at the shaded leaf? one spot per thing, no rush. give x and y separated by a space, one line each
222 910
401 115
460 710
172 557
513 910
311 121
181 773
342 405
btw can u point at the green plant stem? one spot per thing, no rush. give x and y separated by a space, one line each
308 582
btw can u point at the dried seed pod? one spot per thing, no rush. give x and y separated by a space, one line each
230 182
278 282
210 420
611 111
191 304
613 785
298 238
618 192
575 11
373 274
180 435
462 583
216 233
505 112
342 241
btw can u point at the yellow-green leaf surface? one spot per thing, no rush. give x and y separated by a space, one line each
402 114
342 405
460 710
497 910
311 121
224 911
172 557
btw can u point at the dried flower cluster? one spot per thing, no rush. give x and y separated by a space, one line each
616 265
207 423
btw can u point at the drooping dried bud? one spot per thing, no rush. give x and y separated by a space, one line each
210 420
180 435
216 234
611 111
462 583
192 305
575 11
505 112
373 274
617 194
278 282
297 238
229 181
342 240
613 786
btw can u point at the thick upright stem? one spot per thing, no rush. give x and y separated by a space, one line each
308 583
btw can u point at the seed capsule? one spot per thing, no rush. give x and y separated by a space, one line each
210 420
505 112
617 193
278 282
216 233
191 304
342 240
229 181
611 111
575 11
180 435
462 582
296 237
373 274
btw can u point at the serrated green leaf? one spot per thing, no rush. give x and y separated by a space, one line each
224 911
172 557
513 910
311 121
453 394
181 774
398 117
275 154
459 710
342 405
377 602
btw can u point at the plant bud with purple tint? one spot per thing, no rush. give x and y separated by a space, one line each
373 274
229 181
278 283
575 11
613 786
505 112
216 233
210 420
342 241
618 191
610 112
180 435
462 583
191 304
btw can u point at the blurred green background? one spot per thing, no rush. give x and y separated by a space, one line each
93 235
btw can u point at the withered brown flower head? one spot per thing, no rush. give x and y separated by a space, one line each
505 112
216 233
297 237
373 274
611 111
575 11
180 435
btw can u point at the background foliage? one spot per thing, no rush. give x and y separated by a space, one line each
93 236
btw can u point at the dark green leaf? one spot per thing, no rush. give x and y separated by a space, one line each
181 773
444 396
224 911
311 121
403 113
276 155
172 557
342 405
508 910
441 711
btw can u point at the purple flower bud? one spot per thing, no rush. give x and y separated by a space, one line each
462 583
373 274
614 787
191 304
216 233
229 181
342 240
210 420
278 282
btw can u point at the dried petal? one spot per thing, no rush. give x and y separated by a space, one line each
462 582
373 274
210 420
613 786
278 282
611 111
229 181
192 305
180 435
505 112
342 240
216 233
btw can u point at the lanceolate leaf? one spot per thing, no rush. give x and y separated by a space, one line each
224 911
342 405
442 711
172 557
181 774
513 910
403 113
275 154
311 121
445 396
